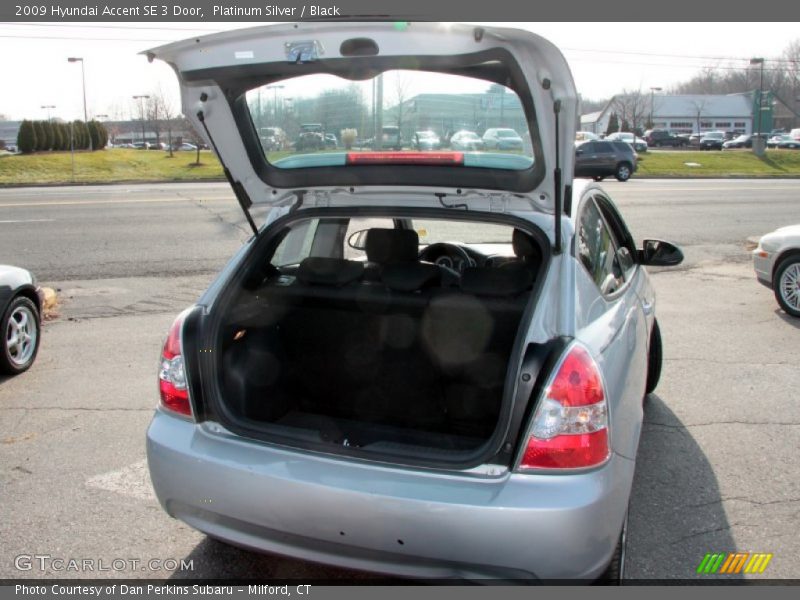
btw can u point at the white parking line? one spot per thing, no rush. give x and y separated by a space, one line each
133 481
125 201
28 221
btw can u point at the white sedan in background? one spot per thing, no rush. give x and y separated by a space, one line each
777 265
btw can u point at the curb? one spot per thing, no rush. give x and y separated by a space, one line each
110 183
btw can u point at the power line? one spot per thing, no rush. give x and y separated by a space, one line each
672 65
688 56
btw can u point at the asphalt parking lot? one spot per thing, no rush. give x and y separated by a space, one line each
717 468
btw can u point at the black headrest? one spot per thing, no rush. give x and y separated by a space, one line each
392 245
487 281
524 245
410 276
329 271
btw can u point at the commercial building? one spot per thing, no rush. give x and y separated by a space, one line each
686 113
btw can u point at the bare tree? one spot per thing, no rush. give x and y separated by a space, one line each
155 115
631 107
401 95
698 106
166 111
194 137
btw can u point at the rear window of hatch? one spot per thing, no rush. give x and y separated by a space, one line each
367 116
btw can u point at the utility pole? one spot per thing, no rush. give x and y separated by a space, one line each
758 143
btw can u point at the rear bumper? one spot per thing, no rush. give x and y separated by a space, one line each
362 515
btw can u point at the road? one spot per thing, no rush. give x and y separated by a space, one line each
717 469
95 232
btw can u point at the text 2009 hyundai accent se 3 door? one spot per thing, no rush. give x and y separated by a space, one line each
424 363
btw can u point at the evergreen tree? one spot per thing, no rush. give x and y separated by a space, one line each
103 135
41 136
26 137
94 134
58 143
613 124
81 134
49 137
65 139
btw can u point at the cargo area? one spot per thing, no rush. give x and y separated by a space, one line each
390 353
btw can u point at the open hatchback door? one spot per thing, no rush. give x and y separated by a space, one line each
344 109
389 312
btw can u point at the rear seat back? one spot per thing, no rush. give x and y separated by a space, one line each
392 346
470 334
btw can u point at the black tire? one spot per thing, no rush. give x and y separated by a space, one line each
790 262
598 177
615 572
9 364
623 171
655 358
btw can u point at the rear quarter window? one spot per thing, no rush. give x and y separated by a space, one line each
622 147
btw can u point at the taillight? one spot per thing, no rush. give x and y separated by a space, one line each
569 429
171 373
401 158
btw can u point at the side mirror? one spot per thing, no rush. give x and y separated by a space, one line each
579 151
358 240
658 253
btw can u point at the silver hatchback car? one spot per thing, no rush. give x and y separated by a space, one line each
427 364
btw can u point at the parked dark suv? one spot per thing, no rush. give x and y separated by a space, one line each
599 159
662 137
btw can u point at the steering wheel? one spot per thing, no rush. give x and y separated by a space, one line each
435 251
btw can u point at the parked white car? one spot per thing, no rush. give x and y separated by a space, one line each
777 265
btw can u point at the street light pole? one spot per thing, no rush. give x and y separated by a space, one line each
653 90
757 145
47 107
141 111
73 59
275 89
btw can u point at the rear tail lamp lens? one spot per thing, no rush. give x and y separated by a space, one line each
172 375
569 429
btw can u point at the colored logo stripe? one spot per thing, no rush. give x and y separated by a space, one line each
758 562
733 563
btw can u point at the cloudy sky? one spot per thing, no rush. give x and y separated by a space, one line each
604 57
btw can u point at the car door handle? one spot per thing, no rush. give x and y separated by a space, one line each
647 307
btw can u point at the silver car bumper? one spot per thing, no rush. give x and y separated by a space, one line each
360 515
763 264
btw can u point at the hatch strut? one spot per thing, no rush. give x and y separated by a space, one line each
238 189
557 180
